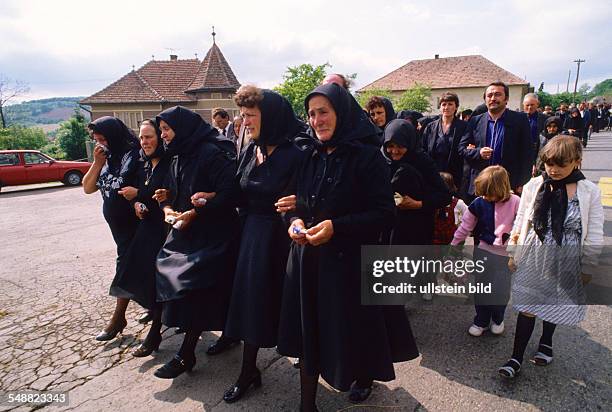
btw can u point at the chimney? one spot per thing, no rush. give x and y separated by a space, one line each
436 56
173 57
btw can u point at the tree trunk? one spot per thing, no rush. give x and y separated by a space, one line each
2 117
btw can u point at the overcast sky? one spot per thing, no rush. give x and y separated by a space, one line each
76 48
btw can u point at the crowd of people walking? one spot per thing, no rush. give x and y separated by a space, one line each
256 229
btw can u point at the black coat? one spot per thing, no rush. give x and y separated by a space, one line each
517 157
454 160
137 282
575 123
322 319
196 264
417 176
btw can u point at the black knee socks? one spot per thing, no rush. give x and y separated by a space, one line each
524 329
548 329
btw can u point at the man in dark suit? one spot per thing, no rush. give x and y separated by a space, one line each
536 120
498 137
221 120
586 119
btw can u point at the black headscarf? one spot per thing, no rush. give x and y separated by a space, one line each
410 115
159 151
119 137
352 124
190 130
552 196
389 111
402 133
279 124
550 120
572 122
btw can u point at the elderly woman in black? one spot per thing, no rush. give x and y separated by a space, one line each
441 137
114 168
344 200
139 282
415 177
196 263
266 168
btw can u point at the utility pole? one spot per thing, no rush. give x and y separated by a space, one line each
568 80
577 74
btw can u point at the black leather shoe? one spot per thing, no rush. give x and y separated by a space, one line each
179 331
238 390
221 345
147 347
175 367
358 395
146 317
112 332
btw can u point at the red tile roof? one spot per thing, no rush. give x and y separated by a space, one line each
170 81
446 72
214 73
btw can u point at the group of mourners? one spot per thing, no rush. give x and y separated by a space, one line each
264 243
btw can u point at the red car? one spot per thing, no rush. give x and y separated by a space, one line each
22 167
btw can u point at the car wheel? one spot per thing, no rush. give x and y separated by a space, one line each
73 178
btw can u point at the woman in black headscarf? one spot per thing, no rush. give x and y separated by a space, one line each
415 177
138 283
114 168
573 124
266 168
196 263
344 200
552 127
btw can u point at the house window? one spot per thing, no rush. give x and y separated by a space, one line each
131 119
216 96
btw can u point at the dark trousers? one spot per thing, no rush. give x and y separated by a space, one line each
487 313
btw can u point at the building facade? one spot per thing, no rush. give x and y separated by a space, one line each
467 76
160 84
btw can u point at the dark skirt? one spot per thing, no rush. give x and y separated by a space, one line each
200 310
123 229
137 281
195 272
256 297
324 324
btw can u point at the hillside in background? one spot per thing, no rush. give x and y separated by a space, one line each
43 112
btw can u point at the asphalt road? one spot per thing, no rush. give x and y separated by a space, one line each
56 264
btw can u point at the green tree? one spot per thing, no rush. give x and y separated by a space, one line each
602 89
415 98
54 150
298 82
20 137
363 97
71 136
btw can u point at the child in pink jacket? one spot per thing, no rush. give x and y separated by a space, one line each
490 217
